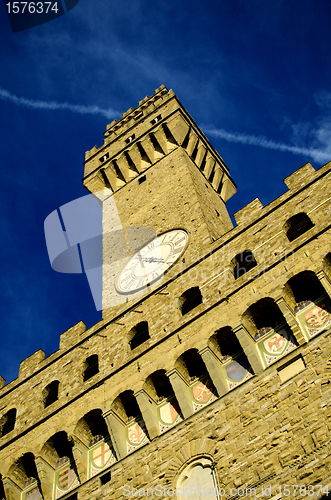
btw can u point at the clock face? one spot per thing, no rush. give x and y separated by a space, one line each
151 262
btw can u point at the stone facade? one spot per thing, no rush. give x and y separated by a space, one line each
230 366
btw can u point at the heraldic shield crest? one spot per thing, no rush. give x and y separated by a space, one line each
274 344
137 435
203 393
31 490
314 317
101 454
65 477
169 413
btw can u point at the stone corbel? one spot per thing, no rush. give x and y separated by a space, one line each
182 391
214 368
249 347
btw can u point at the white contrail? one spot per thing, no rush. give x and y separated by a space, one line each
264 142
51 105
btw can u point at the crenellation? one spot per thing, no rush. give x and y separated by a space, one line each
71 336
233 366
31 364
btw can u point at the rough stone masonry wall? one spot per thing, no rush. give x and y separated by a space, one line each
262 429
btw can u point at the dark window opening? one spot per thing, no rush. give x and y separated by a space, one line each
297 225
129 404
190 299
306 286
130 139
29 465
92 367
96 423
142 179
8 420
104 157
51 393
156 119
194 363
105 478
63 448
228 342
162 385
265 313
138 115
244 261
140 334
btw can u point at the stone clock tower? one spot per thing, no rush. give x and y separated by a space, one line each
209 374
162 175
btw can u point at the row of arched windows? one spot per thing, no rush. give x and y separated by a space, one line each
304 291
258 319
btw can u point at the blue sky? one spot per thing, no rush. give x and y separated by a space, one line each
255 75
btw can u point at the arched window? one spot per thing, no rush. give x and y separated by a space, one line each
91 367
190 299
51 393
297 225
139 334
228 343
126 406
243 262
198 480
7 422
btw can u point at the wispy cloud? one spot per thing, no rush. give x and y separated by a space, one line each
319 155
53 105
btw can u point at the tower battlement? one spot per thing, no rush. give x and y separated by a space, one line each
217 371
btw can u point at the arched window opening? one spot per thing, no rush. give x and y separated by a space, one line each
91 367
7 422
139 334
263 314
190 299
194 364
266 323
312 304
60 444
161 383
228 343
243 262
126 405
24 473
51 393
198 480
297 225
306 286
96 423
58 453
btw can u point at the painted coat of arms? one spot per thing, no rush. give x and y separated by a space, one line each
169 414
101 455
313 317
203 393
237 371
276 345
65 477
31 490
136 435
